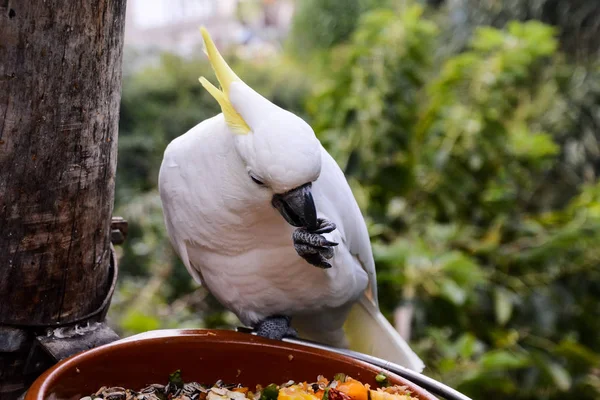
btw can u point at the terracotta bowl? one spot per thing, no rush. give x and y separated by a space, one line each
202 355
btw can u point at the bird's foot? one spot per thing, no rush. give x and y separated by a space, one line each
312 245
276 327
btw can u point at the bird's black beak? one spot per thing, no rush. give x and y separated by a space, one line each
297 207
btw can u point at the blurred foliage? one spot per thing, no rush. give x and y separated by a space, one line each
453 165
322 24
577 20
475 165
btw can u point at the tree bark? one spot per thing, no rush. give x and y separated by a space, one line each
60 81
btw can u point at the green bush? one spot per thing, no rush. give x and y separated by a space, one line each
321 24
449 164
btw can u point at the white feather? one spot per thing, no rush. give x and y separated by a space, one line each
369 332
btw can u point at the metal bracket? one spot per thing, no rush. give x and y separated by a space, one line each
118 230
84 333
61 343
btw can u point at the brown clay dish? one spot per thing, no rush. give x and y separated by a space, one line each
202 356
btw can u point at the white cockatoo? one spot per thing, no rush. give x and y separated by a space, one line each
263 217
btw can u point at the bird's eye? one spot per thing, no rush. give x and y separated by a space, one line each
258 182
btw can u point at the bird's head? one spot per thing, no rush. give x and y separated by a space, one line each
280 151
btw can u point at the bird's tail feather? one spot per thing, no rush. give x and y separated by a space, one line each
369 332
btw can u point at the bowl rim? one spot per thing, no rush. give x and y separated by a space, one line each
40 387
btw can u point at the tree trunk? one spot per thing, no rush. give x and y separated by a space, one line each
60 80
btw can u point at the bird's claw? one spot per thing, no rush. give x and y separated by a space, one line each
313 246
276 327
324 226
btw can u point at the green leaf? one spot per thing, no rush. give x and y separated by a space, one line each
573 350
452 292
487 38
467 345
271 392
559 375
175 381
503 305
137 322
382 379
463 270
503 359
524 143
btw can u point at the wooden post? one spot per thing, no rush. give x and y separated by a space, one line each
60 81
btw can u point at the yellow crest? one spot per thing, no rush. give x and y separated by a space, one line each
225 76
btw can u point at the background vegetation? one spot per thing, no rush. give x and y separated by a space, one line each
469 133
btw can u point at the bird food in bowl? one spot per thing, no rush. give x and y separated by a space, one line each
341 387
217 362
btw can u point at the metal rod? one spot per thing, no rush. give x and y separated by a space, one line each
427 383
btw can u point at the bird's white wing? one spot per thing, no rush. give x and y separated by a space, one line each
174 192
367 330
334 198
186 161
